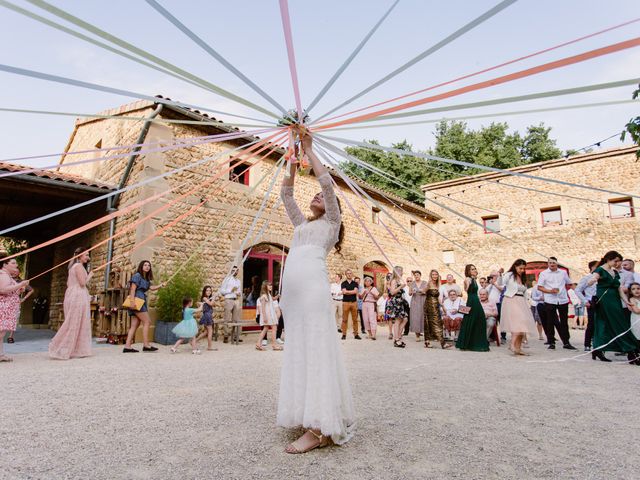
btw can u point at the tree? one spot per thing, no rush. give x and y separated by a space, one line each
491 146
537 146
12 246
633 126
403 169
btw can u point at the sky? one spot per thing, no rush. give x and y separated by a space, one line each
248 33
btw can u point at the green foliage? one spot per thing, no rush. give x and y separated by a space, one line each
11 246
537 146
491 145
187 283
406 169
633 126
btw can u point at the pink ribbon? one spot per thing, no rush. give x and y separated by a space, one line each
207 139
288 38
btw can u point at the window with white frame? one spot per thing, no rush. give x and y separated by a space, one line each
621 208
551 216
491 224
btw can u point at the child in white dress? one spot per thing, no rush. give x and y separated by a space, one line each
269 314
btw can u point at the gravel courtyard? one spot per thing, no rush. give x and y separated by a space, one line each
421 414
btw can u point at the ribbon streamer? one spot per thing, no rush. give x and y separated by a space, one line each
127 46
478 166
102 88
127 188
140 152
361 193
375 170
495 67
139 204
207 48
486 115
288 38
609 49
134 225
69 31
351 57
458 33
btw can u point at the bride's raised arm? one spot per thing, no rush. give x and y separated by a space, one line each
332 210
286 193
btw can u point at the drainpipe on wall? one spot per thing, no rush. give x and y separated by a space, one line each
112 203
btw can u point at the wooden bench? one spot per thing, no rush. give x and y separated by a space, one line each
236 329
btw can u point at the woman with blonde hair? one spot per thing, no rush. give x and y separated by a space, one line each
432 320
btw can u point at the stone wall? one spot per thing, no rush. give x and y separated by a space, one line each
586 232
218 228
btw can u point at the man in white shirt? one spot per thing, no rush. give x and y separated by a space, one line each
552 283
585 293
452 318
229 290
336 296
446 287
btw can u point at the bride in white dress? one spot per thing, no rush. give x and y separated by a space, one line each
314 390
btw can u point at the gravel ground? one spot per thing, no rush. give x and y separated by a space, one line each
421 414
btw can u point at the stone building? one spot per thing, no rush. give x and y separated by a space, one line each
222 209
577 227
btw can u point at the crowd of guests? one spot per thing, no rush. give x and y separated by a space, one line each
483 309
605 303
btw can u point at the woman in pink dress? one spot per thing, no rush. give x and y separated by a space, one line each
74 337
9 300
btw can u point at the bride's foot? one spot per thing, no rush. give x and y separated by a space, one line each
307 442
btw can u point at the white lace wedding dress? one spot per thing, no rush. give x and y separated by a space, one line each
314 390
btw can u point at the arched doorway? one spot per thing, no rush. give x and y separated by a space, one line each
264 262
377 270
533 270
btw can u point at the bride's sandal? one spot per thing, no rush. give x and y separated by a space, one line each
297 447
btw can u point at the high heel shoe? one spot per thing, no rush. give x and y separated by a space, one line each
597 354
633 358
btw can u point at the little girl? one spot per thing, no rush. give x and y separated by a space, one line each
207 316
188 327
634 306
268 316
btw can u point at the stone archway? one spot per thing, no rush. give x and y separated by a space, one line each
377 270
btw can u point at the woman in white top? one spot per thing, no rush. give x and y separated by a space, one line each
516 314
314 389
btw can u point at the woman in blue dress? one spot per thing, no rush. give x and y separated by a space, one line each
140 283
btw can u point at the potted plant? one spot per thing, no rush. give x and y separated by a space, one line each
187 283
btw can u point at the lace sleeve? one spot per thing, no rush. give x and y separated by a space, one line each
290 205
332 210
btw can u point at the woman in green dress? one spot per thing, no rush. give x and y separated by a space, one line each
473 333
610 320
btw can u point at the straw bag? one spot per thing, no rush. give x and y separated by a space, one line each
138 303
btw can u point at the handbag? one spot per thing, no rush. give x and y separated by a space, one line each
464 309
138 303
